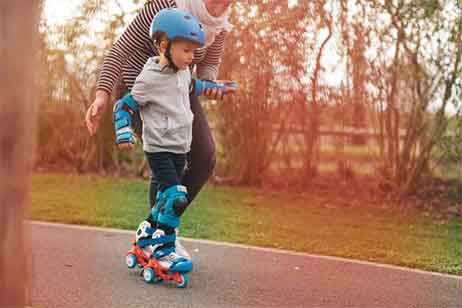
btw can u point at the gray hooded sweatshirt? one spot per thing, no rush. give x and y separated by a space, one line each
163 97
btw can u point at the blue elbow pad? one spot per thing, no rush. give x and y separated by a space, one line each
123 113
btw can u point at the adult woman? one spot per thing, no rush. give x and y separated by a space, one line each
130 52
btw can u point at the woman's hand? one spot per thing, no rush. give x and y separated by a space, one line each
95 111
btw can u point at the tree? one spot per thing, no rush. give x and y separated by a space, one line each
313 106
267 56
421 84
17 127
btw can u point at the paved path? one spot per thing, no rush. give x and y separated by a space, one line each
84 267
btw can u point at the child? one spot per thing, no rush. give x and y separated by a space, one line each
161 92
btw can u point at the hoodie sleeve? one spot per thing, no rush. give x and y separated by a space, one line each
141 89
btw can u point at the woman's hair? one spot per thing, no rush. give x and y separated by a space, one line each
160 36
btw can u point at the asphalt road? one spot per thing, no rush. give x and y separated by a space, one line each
84 267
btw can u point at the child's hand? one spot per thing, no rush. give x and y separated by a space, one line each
214 93
230 86
215 89
126 146
225 87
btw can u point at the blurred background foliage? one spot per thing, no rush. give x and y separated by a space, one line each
359 95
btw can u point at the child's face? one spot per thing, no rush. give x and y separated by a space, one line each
183 53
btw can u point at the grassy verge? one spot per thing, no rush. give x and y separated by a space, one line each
308 223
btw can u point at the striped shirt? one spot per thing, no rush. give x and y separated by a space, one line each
131 51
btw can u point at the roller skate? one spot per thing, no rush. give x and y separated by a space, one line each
139 255
153 250
159 263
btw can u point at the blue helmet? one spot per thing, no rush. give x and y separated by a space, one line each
176 23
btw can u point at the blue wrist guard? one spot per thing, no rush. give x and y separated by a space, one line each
199 86
124 110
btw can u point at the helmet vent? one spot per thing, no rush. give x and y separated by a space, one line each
187 17
193 34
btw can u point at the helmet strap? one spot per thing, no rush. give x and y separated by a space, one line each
168 55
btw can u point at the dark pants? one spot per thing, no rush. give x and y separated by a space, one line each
166 168
200 160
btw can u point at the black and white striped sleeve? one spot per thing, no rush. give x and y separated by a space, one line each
208 68
132 39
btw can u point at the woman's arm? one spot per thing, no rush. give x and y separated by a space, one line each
208 68
133 38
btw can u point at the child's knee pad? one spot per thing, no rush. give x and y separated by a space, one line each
172 203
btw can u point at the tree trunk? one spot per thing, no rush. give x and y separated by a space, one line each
18 35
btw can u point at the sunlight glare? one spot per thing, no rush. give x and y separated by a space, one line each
292 3
58 11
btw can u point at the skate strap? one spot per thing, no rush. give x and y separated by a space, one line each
176 263
158 240
150 231
179 260
166 251
160 253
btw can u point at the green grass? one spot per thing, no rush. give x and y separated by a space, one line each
320 225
